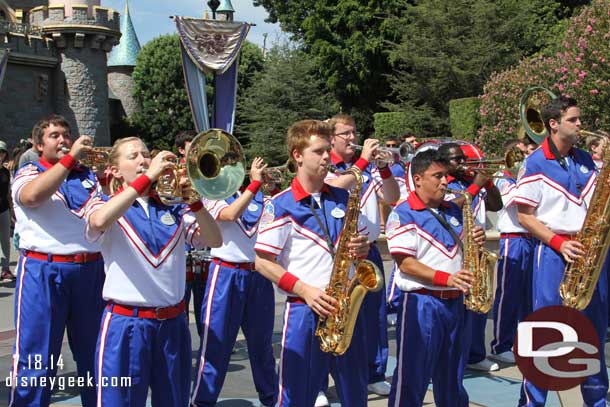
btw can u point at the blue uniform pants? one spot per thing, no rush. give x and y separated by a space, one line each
549 267
150 353
197 287
376 325
475 325
235 298
303 366
512 301
432 345
394 295
50 297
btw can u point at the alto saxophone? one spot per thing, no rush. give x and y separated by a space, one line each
336 330
580 277
479 261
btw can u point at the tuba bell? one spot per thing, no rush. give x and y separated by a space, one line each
215 165
530 113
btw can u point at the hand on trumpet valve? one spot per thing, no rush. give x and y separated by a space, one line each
163 162
80 145
383 158
369 148
257 169
188 193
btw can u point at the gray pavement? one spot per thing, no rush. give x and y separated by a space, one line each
498 389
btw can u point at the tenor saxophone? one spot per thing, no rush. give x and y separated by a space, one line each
580 277
478 260
336 330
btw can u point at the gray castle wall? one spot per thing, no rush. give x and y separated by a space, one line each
121 83
82 95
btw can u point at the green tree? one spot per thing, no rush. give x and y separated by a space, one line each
448 50
159 89
161 93
348 41
284 92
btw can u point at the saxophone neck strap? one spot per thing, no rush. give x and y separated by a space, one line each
441 219
322 225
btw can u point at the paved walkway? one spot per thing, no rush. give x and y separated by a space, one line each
500 389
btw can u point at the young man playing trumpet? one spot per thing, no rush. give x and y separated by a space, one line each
59 275
295 249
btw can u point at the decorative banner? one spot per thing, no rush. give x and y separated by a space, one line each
196 90
211 46
3 64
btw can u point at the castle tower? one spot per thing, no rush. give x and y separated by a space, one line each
82 35
121 63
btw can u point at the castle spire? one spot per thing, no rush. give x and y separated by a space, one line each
126 52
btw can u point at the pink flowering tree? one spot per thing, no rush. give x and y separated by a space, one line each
580 68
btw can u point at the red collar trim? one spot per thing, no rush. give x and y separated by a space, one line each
335 159
450 178
416 203
299 193
546 149
45 163
151 193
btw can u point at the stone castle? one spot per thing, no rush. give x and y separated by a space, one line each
58 63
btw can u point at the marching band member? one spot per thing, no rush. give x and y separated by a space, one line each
237 296
484 196
424 235
144 331
295 250
512 300
553 195
379 183
60 276
195 276
596 146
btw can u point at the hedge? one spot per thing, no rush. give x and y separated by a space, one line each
464 118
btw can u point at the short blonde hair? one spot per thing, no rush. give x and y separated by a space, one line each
300 133
342 118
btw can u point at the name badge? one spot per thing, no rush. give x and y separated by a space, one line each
337 213
365 178
584 169
253 207
454 221
87 183
168 219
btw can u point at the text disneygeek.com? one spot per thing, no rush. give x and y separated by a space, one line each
63 382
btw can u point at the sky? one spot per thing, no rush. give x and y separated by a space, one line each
151 17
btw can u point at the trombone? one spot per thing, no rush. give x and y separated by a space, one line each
511 162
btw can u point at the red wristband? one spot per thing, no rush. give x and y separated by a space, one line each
385 173
68 161
141 184
361 163
557 241
473 190
287 282
254 186
196 206
441 278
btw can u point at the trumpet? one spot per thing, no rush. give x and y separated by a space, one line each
404 152
275 175
93 157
